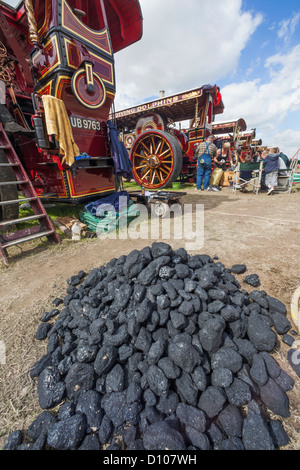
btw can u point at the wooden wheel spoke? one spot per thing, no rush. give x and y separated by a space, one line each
158 147
165 157
165 171
163 153
159 179
145 174
141 166
144 157
168 163
152 176
146 148
153 150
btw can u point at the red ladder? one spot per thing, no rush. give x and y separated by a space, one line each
45 227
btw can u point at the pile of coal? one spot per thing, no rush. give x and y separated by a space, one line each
159 350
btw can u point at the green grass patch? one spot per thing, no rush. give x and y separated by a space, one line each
59 210
132 186
54 211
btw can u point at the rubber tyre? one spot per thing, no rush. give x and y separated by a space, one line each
168 141
160 210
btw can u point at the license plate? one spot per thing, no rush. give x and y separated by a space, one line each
86 124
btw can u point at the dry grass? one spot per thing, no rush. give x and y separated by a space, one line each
37 274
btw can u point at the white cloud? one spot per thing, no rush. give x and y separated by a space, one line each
191 43
184 45
287 27
289 141
267 106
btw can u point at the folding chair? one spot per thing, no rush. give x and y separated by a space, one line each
286 177
255 181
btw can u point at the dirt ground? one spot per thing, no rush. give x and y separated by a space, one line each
260 231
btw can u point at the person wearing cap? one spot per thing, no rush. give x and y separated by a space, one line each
206 151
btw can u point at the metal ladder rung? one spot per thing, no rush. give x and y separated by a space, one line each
5 223
26 239
9 164
5 183
16 201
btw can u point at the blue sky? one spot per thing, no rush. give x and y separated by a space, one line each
250 48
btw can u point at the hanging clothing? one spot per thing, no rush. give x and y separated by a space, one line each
58 124
122 162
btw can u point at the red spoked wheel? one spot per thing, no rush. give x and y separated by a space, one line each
156 158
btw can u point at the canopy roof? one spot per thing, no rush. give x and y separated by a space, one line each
122 17
229 126
179 107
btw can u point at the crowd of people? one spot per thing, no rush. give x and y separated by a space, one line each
214 157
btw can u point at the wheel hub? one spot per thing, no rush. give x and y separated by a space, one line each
153 161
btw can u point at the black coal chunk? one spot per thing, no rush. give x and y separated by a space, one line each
239 392
211 335
231 420
252 279
89 404
256 434
50 388
278 433
81 377
157 381
40 425
228 358
160 436
260 333
14 440
161 350
184 355
276 305
238 268
105 359
42 331
67 434
275 398
191 416
212 401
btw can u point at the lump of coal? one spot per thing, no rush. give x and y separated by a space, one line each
184 355
160 436
51 390
67 434
160 350
212 401
238 268
256 435
252 279
260 333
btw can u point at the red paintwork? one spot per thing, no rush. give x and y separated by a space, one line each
109 26
181 107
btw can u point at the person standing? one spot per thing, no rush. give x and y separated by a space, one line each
271 167
224 156
205 153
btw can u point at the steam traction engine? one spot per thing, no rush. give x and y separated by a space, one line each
64 50
160 152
